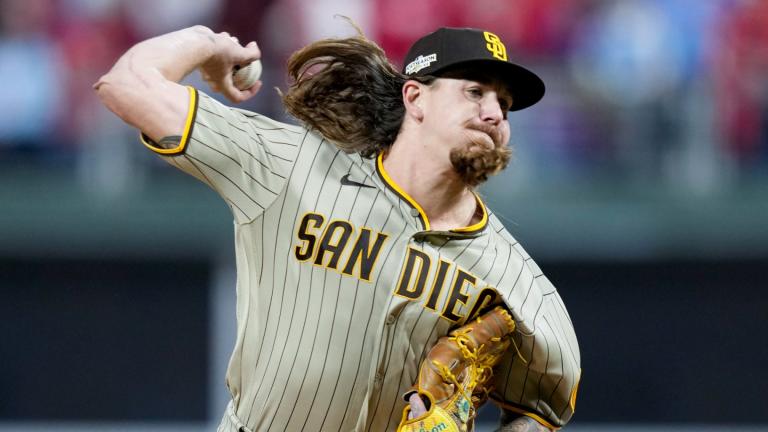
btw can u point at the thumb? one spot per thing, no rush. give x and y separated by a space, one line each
417 406
251 52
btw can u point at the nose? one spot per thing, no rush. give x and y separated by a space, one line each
491 111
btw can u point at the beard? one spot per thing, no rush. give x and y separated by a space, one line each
476 161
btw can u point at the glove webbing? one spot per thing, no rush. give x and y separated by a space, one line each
479 367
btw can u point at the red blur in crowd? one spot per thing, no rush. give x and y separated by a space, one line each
741 80
531 28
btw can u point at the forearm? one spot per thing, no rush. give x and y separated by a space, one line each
513 423
142 87
170 57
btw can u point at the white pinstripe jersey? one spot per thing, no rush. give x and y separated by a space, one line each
343 287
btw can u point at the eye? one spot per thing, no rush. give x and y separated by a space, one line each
475 92
504 104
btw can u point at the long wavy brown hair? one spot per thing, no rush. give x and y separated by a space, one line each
349 92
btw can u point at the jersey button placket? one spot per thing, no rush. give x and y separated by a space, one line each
390 320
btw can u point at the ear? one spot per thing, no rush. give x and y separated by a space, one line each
413 98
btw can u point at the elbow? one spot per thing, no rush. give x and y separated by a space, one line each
144 101
121 90
103 86
109 89
119 79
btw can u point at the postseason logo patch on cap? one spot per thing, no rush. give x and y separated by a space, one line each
420 63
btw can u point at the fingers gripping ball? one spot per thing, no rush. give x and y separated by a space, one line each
453 376
246 76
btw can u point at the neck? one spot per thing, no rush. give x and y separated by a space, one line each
431 180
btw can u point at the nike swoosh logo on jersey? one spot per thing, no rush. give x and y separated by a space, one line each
347 182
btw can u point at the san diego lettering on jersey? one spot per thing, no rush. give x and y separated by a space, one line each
325 245
446 276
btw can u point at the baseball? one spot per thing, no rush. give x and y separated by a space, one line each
245 77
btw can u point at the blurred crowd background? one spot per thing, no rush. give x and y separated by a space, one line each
670 90
639 185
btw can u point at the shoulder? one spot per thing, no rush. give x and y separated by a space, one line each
211 110
498 231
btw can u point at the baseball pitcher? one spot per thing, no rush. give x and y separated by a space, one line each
376 291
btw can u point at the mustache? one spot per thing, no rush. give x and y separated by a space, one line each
491 131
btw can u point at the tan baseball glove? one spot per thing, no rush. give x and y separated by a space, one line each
452 378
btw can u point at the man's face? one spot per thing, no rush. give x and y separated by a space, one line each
469 118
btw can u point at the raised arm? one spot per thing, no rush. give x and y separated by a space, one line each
142 87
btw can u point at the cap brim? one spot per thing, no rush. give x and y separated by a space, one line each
525 86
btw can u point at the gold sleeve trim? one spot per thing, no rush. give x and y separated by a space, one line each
574 393
536 417
188 126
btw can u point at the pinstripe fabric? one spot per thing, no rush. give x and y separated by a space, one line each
341 291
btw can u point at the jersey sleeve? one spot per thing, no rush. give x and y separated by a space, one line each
540 373
245 157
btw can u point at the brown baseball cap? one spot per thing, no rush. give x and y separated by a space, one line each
448 48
